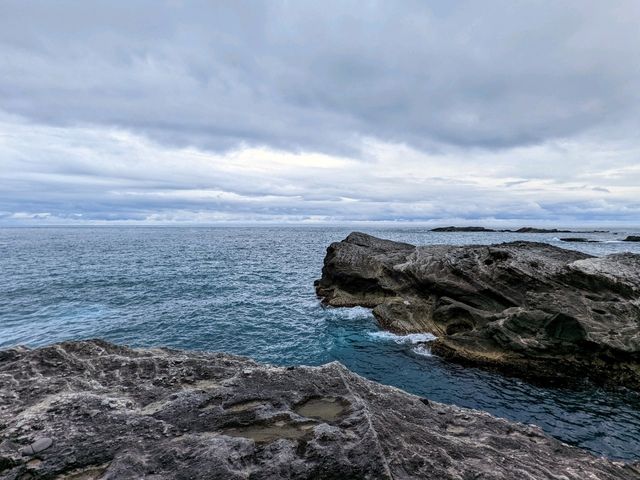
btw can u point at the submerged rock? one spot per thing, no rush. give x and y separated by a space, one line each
119 413
527 308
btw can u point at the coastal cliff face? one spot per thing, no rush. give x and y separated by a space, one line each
92 410
528 308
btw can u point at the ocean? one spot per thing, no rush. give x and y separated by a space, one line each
249 291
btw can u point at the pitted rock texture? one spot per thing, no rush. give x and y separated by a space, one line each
527 308
118 413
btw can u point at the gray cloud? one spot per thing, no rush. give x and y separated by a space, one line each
425 110
318 76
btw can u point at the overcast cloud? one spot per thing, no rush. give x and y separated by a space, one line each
498 112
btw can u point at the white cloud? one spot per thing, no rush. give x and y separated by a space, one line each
85 174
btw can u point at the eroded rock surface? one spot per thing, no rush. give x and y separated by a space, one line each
528 308
116 413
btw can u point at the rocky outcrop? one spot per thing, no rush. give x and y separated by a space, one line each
632 238
527 308
93 410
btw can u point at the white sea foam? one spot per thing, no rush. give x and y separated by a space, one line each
412 338
353 313
423 349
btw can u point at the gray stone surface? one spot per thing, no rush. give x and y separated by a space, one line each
118 413
524 307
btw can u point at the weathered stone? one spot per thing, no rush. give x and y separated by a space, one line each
524 307
166 414
632 238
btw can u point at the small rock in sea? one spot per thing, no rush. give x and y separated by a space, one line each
38 446
462 229
578 240
632 238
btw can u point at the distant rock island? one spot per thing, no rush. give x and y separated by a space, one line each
632 238
526 308
520 230
92 410
462 229
539 230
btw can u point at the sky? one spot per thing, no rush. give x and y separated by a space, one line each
500 112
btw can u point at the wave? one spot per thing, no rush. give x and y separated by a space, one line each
350 313
423 350
411 338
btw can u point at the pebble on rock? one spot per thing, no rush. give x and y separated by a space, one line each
38 446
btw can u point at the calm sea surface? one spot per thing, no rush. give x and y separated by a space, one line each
249 291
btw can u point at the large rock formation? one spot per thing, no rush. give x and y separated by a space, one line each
93 410
527 308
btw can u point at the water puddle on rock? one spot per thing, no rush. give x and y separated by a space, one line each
271 432
326 408
244 406
89 473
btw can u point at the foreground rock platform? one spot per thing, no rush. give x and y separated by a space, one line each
525 308
92 410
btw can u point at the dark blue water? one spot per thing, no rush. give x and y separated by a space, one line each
249 291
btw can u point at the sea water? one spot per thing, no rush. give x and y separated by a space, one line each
249 291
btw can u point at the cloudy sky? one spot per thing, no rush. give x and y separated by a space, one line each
493 112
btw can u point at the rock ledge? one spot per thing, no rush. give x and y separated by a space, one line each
101 411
